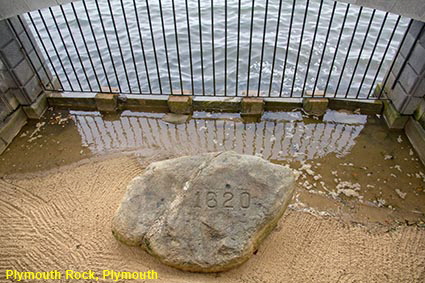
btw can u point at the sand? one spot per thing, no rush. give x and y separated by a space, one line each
60 219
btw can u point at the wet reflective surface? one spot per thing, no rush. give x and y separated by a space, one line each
279 136
349 166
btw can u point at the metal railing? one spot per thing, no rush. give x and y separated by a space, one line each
270 48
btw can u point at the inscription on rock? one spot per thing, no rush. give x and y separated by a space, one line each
204 213
226 199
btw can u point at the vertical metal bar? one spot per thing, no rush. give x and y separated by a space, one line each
165 46
275 46
287 47
85 45
131 47
299 48
336 47
372 54
312 47
262 47
142 46
153 46
384 55
64 45
250 47
96 43
119 45
238 48
177 45
225 47
75 46
348 51
190 46
324 47
213 46
361 52
54 47
107 44
201 48
35 50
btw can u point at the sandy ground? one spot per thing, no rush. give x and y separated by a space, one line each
60 219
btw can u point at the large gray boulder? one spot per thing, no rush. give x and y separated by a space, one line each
204 213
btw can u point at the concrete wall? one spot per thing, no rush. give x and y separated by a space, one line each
21 94
414 9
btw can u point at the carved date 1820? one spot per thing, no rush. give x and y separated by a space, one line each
228 200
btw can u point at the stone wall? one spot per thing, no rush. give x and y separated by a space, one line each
405 88
21 93
406 85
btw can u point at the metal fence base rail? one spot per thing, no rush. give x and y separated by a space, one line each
159 103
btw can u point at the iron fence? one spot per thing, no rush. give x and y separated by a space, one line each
271 48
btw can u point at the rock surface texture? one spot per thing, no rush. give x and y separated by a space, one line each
204 213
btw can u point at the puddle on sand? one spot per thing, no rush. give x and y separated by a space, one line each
349 165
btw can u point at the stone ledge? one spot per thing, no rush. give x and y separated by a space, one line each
217 104
368 107
77 101
159 103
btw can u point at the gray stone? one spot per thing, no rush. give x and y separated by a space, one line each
408 78
12 54
6 81
32 89
420 88
5 33
407 45
23 72
417 58
204 213
10 99
410 105
398 96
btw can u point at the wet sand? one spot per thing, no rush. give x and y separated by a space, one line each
358 213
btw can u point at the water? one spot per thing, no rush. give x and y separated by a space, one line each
150 82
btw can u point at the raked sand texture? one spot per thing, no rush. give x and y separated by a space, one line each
62 220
